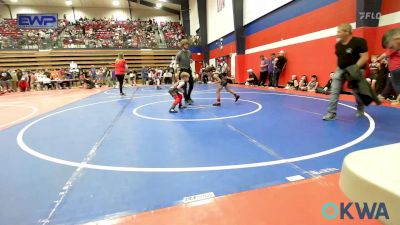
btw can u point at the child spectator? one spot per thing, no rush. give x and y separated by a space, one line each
132 77
303 83
292 84
327 88
374 68
312 86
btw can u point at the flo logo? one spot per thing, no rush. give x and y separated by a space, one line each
364 210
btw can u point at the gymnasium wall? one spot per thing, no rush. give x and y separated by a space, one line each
255 9
4 12
219 23
119 13
194 17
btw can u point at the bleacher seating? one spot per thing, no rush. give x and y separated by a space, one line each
93 33
61 58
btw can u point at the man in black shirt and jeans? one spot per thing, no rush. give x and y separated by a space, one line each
349 51
183 59
280 64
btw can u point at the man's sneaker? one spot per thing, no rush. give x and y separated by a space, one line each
380 97
182 107
217 104
237 97
172 111
329 116
122 94
191 101
360 113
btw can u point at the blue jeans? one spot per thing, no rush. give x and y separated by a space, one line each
337 85
395 79
275 77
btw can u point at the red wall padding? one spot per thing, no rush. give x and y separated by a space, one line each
314 57
390 6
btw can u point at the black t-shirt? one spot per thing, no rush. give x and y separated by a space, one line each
349 54
252 75
328 85
281 62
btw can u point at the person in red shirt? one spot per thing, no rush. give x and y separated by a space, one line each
120 69
391 41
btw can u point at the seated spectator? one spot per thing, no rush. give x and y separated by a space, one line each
303 83
327 88
312 86
252 80
292 84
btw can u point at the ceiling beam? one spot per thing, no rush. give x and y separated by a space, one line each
178 2
152 5
8 6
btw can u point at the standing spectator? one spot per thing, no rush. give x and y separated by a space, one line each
93 73
183 60
14 81
120 68
391 41
168 75
73 68
374 68
224 68
24 82
271 69
145 75
280 64
263 70
132 77
5 81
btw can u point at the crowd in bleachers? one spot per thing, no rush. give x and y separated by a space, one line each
13 37
111 33
173 33
93 33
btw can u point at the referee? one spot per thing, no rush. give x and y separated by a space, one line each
183 60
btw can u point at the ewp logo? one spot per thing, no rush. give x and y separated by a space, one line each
37 21
363 210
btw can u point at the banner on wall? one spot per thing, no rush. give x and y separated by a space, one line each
37 21
220 5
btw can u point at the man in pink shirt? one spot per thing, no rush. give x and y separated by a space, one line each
391 41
